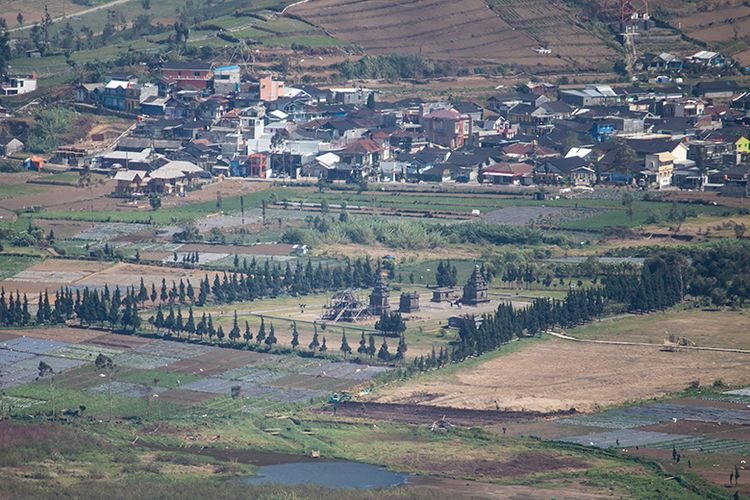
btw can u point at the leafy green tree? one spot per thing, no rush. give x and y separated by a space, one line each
154 201
50 127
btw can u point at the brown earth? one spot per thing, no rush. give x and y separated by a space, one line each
184 396
213 362
119 341
61 334
557 374
465 31
522 464
457 488
427 414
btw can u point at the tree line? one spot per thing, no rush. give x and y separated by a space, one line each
90 307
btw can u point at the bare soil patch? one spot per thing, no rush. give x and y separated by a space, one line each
61 334
476 489
558 375
427 414
124 274
214 362
119 341
184 396
467 30
522 464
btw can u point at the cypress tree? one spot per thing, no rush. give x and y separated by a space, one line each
295 336
248 336
383 353
362 349
271 339
345 348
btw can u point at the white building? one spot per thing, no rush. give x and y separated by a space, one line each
18 84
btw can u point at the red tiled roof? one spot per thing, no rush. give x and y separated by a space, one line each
363 146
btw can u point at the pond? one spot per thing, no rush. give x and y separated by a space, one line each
329 474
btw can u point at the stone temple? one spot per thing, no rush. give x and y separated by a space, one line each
475 290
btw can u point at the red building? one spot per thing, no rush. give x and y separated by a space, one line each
187 75
257 164
447 127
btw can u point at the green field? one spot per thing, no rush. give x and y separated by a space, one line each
14 264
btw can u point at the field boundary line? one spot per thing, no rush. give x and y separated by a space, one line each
644 344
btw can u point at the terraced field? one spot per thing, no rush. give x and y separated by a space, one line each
503 32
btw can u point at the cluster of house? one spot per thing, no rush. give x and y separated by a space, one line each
200 120
669 63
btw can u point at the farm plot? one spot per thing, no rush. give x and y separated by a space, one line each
27 370
51 274
32 345
185 397
622 438
61 334
126 389
466 30
650 414
143 361
717 24
704 444
108 231
124 275
212 363
540 376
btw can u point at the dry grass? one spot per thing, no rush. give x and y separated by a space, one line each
559 374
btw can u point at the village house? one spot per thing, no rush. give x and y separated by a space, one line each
129 183
447 128
10 145
127 96
270 89
195 75
574 170
174 177
508 174
226 79
592 95
719 89
18 84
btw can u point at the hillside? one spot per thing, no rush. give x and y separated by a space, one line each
505 32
